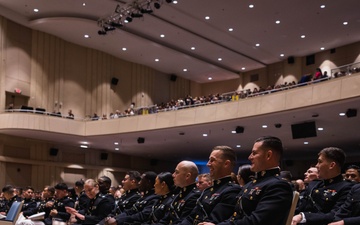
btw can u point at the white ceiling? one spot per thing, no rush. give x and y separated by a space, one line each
184 26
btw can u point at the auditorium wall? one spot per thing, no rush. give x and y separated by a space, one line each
57 75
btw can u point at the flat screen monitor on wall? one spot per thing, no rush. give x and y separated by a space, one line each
303 130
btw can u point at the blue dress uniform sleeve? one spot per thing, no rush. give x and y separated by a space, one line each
98 211
268 205
133 215
215 204
350 210
62 211
29 208
329 199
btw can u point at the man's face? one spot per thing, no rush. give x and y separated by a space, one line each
45 193
203 183
28 194
216 164
352 175
258 158
127 183
59 194
180 175
323 166
311 174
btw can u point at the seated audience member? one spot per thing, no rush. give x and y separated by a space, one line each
318 74
299 185
82 201
184 178
98 208
142 207
62 200
216 202
324 197
349 212
70 114
130 183
29 207
46 205
203 181
267 199
10 197
245 174
352 173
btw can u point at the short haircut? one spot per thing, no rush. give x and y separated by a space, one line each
335 154
191 167
272 143
134 175
91 182
28 187
106 180
227 153
79 183
168 179
51 190
355 167
9 189
61 186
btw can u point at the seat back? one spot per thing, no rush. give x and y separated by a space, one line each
12 214
293 207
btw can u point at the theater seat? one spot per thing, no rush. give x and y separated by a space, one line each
13 214
293 207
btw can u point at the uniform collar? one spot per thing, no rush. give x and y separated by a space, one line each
336 179
221 181
267 173
187 188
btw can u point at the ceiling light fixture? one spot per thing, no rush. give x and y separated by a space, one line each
117 149
210 78
264 126
302 36
282 55
277 21
157 60
251 6
345 23
132 9
192 48
306 142
185 70
238 146
322 6
36 10
231 29
124 49
342 114
207 17
84 4
86 36
322 48
84 146
205 135
257 45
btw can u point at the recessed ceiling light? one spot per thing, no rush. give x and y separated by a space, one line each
282 55
185 70
84 146
84 4
192 48
322 48
264 126
117 149
157 60
322 6
306 143
302 36
209 78
320 128
231 29
219 59
207 17
251 6
277 21
233 132
243 68
205 135
162 35
175 2
345 23
36 10
342 114
257 45
238 146
86 36
124 49
116 143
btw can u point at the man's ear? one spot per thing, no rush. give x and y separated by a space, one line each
332 165
269 154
